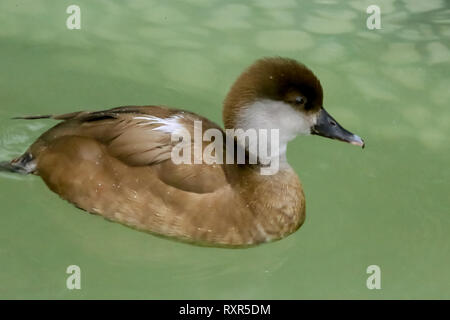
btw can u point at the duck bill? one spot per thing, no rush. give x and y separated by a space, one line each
327 127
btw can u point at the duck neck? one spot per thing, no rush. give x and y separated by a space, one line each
272 124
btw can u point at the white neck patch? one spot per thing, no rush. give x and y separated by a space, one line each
270 114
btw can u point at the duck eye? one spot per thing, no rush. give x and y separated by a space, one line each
299 100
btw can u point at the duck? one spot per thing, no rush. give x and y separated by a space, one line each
117 163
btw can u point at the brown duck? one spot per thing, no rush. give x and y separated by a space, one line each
117 163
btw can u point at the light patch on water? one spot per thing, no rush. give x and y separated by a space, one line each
197 31
270 4
328 25
189 69
410 34
359 67
280 18
444 31
327 53
184 44
430 127
372 36
401 53
202 3
394 131
386 6
334 12
284 40
427 31
410 77
156 33
417 6
438 52
348 118
395 22
433 138
418 116
230 52
164 13
440 93
372 88
230 16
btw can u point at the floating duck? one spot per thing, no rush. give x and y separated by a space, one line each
117 163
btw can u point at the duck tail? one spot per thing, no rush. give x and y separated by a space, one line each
47 116
25 164
65 116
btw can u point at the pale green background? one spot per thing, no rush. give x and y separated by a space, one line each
387 204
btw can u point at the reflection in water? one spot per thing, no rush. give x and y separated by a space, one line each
14 135
386 205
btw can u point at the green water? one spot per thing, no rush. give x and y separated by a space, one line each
386 205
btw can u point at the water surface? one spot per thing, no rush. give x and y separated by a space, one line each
386 205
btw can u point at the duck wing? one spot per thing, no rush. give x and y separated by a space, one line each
140 137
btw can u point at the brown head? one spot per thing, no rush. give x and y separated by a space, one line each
284 94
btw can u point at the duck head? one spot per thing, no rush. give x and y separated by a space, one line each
280 93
